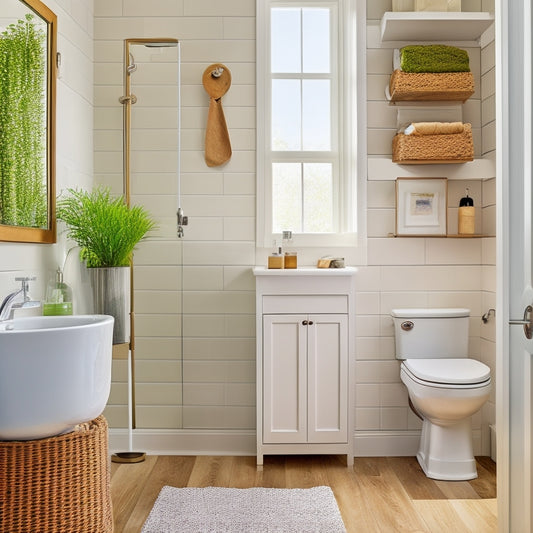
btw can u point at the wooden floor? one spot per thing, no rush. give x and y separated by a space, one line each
380 494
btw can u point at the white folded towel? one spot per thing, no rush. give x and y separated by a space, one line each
434 128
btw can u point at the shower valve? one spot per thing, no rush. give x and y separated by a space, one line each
182 219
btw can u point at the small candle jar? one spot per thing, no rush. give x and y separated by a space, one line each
467 213
291 260
466 222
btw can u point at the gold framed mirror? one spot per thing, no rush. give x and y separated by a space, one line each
28 43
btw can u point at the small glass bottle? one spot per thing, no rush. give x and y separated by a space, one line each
58 299
291 257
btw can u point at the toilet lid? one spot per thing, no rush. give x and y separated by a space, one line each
450 371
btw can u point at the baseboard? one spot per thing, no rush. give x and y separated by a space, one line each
184 442
243 442
386 443
396 443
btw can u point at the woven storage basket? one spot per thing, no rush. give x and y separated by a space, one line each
414 86
432 149
58 484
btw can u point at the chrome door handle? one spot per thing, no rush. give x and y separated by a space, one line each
527 322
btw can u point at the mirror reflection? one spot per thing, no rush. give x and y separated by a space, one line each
27 94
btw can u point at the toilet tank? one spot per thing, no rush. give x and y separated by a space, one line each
431 333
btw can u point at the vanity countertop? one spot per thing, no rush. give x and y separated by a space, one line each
304 271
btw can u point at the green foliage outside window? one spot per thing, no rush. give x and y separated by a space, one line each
23 194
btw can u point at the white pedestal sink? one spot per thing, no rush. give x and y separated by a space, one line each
55 373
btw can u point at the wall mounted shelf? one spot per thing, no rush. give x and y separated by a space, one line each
434 26
448 236
475 236
382 168
421 104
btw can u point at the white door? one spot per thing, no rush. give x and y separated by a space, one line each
327 356
515 293
284 379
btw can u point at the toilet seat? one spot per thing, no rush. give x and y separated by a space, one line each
449 373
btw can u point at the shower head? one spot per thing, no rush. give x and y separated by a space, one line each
152 42
157 42
161 44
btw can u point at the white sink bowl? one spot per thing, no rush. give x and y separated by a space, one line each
55 373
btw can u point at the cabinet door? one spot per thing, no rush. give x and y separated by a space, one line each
284 379
327 353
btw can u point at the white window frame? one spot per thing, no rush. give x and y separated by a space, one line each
348 137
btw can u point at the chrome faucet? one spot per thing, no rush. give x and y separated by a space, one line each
17 300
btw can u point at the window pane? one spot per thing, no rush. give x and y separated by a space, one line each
318 197
286 197
316 115
286 40
316 51
286 115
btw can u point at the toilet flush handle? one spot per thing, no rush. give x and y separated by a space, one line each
407 325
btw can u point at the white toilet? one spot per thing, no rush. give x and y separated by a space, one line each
445 387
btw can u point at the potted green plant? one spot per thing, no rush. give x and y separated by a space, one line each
107 231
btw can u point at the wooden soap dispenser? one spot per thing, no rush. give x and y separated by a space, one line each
276 259
467 212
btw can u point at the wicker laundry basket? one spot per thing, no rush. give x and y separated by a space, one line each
58 484
433 149
414 86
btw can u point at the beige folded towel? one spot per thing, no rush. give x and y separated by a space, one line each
217 141
434 128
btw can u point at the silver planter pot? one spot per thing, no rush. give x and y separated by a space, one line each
111 296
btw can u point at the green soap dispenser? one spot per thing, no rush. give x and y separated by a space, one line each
58 300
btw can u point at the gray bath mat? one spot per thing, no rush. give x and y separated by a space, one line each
257 510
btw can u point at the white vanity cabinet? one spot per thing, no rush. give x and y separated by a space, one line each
305 369
305 356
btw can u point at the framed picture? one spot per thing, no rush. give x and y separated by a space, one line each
421 206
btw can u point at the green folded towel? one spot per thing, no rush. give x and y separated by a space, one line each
433 58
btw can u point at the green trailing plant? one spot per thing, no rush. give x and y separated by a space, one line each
23 198
105 227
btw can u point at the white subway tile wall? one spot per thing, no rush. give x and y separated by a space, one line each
211 383
213 262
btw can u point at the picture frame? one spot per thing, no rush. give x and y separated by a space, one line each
421 206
